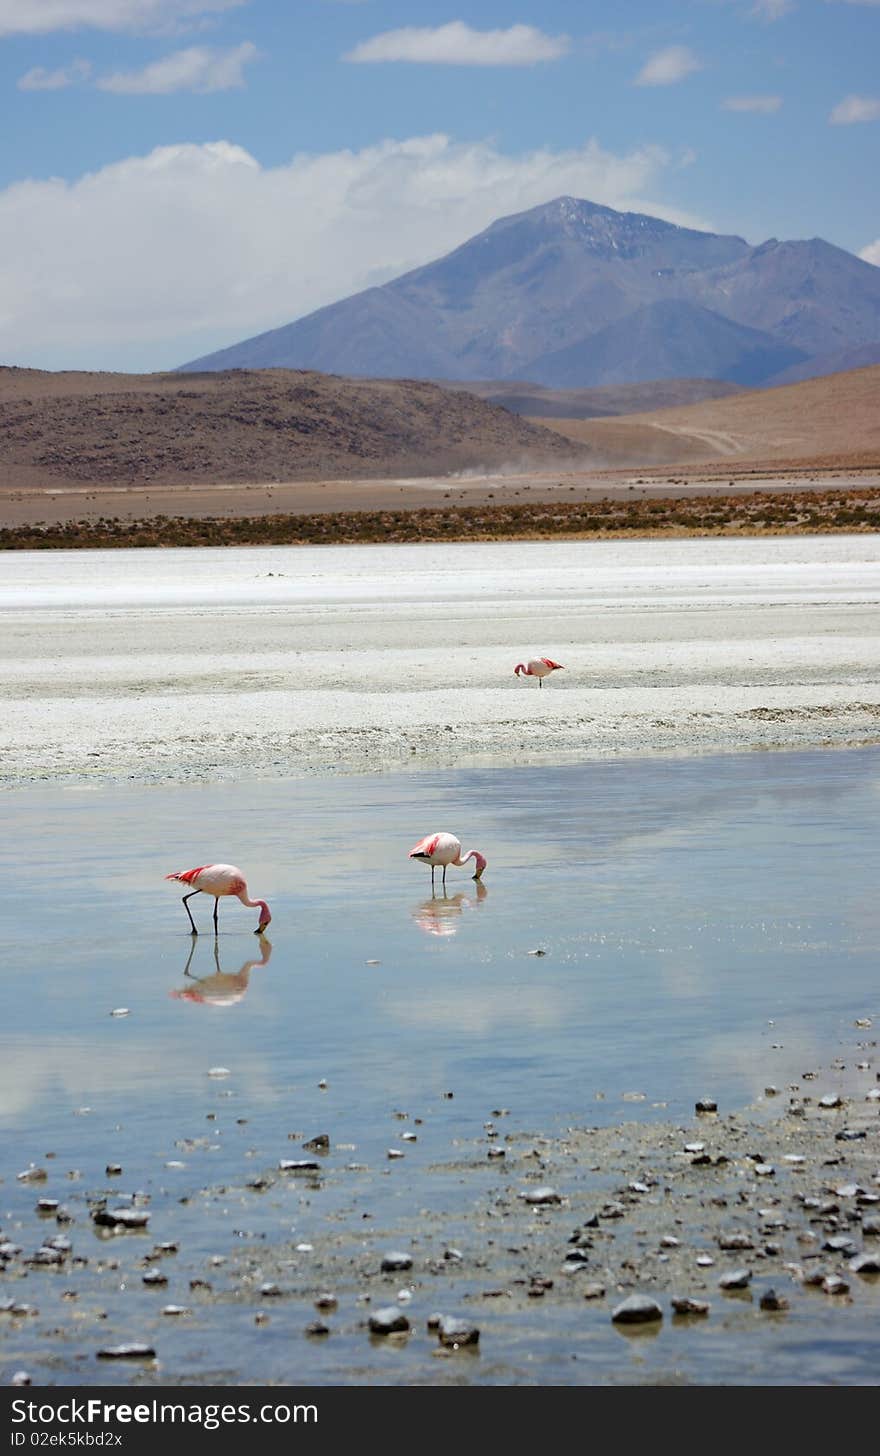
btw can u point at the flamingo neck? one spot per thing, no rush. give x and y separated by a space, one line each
265 913
472 854
521 668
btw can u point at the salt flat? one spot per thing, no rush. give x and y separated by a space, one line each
194 664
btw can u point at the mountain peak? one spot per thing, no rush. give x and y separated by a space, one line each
573 292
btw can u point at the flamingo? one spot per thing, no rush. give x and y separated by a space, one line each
219 880
444 849
539 667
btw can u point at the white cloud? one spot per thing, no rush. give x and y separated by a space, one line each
39 17
39 79
159 258
871 254
456 44
752 103
773 9
855 108
666 67
198 69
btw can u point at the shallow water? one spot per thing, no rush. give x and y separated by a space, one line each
708 925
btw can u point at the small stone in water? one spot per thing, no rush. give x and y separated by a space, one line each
735 1241
765 1170
540 1195
454 1331
317 1328
396 1153
113 1170
638 1309
538 952
706 1104
705 1261
219 1072
320 1143
865 1264
298 1165
736 1279
131 1351
172 1309
690 1306
840 1244
830 1099
154 1277
120 1011
833 1284
32 1175
130 1218
593 1291
394 1262
388 1321
770 1300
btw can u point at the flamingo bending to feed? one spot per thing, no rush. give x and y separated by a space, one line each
444 849
219 880
539 667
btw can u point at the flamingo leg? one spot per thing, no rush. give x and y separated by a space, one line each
444 877
540 682
186 969
216 908
432 879
188 911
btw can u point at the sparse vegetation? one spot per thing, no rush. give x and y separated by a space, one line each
758 513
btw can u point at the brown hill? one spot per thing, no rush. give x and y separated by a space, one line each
832 421
239 427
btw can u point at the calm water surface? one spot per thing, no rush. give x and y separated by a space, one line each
709 924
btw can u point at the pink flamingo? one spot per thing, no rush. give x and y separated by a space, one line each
219 880
539 667
444 849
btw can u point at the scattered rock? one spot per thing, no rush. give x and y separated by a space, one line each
736 1279
121 1218
636 1310
687 1305
389 1321
833 1284
134 1350
540 1196
455 1331
393 1263
770 1300
706 1104
865 1264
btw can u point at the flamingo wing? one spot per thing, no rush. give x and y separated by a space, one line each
425 846
186 877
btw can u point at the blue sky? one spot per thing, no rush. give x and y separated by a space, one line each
178 174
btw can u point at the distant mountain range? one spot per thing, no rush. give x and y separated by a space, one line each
571 294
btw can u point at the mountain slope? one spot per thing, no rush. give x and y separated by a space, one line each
833 422
543 284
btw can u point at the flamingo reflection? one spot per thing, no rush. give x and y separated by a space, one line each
222 988
439 915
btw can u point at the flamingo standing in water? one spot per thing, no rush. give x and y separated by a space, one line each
444 849
539 667
219 880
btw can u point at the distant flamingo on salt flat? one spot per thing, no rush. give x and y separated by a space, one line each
539 667
444 849
220 880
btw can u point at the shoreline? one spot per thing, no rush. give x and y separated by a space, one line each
747 1233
